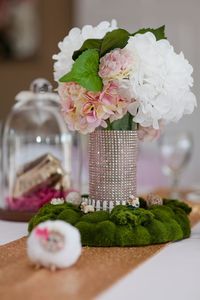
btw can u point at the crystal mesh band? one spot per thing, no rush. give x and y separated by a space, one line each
112 165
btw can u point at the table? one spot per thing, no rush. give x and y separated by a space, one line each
173 274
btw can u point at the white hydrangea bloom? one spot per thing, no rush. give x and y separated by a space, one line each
160 82
73 41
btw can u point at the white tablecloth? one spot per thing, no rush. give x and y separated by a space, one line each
172 274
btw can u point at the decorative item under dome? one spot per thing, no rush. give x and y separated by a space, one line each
38 151
118 86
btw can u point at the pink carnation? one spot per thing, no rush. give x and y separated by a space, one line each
116 64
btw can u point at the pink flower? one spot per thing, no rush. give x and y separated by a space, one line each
84 110
115 65
114 104
70 89
92 113
81 109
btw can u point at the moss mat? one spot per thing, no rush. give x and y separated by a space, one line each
123 226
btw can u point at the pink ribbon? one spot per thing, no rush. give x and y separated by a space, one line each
42 232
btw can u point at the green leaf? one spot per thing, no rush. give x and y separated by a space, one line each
117 38
88 44
125 123
159 32
85 71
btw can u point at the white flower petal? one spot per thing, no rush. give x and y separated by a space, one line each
73 41
161 82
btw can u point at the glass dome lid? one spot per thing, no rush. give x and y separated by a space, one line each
38 151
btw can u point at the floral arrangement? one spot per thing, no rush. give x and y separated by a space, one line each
110 78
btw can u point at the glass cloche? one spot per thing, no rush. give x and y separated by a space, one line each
41 159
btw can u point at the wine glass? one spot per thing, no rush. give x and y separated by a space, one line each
176 149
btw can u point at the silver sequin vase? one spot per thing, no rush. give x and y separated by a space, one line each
112 166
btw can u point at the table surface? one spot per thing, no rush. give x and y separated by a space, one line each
173 274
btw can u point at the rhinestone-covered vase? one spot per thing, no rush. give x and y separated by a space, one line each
112 166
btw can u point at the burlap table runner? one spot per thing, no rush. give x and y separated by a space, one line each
96 270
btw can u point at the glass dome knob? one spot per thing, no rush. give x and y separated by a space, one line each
41 85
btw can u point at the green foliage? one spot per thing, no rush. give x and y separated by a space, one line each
86 65
117 38
125 123
95 217
85 71
158 32
88 44
69 215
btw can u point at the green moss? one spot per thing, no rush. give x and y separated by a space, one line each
158 232
144 216
43 219
105 234
162 212
174 230
39 219
176 203
167 215
101 234
69 215
49 208
31 223
96 217
136 236
56 209
122 215
87 231
123 226
183 221
141 235
124 236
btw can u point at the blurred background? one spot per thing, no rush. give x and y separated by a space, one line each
30 31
